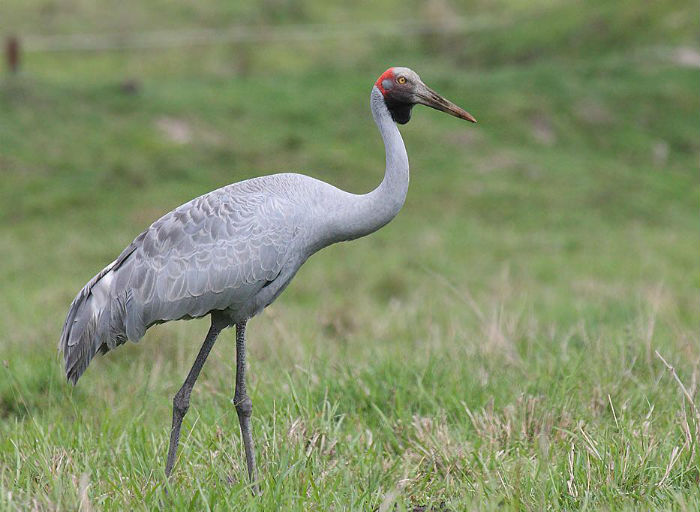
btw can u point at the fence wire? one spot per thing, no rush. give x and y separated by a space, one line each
163 39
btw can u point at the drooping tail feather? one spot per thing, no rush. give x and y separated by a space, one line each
95 323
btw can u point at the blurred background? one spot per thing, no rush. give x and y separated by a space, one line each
542 256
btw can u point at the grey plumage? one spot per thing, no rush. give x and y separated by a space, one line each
216 252
231 252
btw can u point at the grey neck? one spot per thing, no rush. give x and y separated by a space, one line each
364 214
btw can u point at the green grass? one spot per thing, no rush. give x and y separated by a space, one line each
491 348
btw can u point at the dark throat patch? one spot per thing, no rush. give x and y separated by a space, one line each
400 110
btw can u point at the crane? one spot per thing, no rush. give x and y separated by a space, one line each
230 253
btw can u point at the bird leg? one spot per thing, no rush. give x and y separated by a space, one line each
244 405
181 402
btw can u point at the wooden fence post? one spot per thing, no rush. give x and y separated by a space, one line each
12 53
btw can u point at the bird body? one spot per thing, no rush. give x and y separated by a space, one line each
234 250
231 252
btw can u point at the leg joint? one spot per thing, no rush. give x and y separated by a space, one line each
244 405
181 401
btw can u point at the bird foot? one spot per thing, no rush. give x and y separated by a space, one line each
254 488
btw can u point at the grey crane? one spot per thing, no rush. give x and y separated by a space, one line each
230 253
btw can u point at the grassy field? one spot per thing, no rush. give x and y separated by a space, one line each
494 347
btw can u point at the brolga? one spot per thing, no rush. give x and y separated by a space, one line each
230 253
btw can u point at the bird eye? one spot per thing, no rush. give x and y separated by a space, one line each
401 79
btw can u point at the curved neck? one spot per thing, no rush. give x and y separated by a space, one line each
364 214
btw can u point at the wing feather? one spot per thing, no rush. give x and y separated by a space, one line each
215 252
220 248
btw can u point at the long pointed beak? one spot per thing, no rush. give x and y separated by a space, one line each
430 98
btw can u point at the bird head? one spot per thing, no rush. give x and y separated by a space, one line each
402 88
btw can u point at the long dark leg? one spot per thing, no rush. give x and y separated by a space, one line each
244 405
181 402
